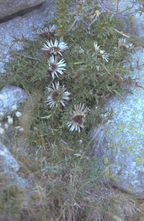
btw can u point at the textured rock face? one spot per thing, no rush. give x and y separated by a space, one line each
119 145
9 168
20 26
13 8
135 25
9 96
9 163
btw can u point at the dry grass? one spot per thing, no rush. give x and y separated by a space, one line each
57 190
115 205
29 108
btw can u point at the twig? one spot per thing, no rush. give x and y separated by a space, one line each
121 33
117 8
107 70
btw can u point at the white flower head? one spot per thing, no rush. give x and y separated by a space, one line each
52 28
81 51
1 113
102 52
57 94
18 113
78 118
19 128
1 130
96 46
47 32
14 107
54 48
124 44
6 125
104 55
10 120
56 67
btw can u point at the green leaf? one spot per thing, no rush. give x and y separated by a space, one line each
80 62
46 117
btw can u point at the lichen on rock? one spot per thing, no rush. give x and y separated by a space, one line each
120 144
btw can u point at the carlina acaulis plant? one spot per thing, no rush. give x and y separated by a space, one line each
74 70
76 61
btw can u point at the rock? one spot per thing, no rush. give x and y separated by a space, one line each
9 96
119 144
9 163
13 8
132 20
23 26
9 168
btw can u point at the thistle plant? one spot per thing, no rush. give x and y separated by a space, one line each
77 61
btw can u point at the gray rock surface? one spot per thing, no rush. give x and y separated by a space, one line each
20 26
9 163
13 8
9 168
119 144
9 96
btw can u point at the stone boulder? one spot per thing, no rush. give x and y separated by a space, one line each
119 143
13 8
9 168
23 26
9 96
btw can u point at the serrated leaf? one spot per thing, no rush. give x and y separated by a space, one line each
61 39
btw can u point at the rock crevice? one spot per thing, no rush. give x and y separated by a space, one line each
10 9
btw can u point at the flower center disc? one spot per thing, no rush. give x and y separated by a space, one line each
55 49
78 119
123 47
55 96
53 67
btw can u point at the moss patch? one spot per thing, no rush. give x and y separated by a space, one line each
110 175
129 188
106 160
